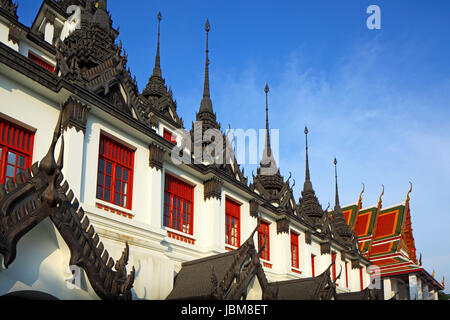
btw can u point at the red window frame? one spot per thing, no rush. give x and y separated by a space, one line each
361 280
333 269
294 250
313 265
178 205
115 173
232 223
40 61
264 234
16 149
169 136
346 274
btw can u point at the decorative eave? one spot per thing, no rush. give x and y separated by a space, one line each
283 225
75 115
156 156
213 189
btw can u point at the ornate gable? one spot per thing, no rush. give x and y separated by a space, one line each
156 97
268 182
309 207
225 276
9 8
90 58
318 288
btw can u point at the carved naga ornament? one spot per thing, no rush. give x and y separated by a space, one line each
39 193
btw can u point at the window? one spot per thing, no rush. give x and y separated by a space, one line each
264 238
169 136
313 265
178 205
232 223
333 260
115 173
41 61
16 150
294 250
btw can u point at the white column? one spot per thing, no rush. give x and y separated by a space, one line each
216 228
156 195
305 256
413 290
419 289
73 159
387 284
281 258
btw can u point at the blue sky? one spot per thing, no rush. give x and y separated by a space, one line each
378 100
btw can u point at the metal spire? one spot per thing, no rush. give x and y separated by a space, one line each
307 185
269 150
206 104
335 175
157 68
102 5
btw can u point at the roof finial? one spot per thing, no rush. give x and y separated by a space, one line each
269 151
206 104
362 192
307 175
335 175
409 192
206 86
157 69
381 196
102 5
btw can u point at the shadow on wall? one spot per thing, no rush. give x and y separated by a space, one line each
32 250
28 295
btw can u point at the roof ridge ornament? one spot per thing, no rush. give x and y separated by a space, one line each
409 192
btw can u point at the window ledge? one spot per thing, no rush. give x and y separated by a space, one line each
100 204
296 270
229 247
266 263
179 233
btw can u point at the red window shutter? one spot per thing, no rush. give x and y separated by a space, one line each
169 136
178 205
294 250
232 223
115 173
264 237
41 61
333 259
361 279
16 150
346 274
313 265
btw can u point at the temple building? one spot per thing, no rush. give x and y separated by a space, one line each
385 237
92 205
